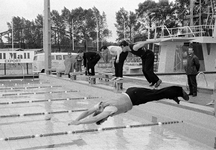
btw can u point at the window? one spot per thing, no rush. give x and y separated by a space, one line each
58 57
65 56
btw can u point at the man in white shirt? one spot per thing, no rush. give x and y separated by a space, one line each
132 97
120 57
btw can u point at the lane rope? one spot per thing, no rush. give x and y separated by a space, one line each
41 113
46 100
12 80
29 87
87 131
3 85
34 93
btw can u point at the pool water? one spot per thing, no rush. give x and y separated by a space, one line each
56 100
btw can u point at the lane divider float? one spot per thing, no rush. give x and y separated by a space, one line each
29 87
46 100
34 93
87 131
41 113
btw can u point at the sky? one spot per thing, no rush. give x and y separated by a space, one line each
29 9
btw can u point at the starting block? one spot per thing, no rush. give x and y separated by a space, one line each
118 85
59 74
92 79
105 77
73 75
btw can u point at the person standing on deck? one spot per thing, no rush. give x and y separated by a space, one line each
192 69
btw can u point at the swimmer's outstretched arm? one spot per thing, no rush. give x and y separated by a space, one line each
138 45
83 120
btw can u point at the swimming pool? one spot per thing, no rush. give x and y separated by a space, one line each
66 100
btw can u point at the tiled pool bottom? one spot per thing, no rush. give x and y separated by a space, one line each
55 99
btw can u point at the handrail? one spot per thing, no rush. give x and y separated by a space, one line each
190 30
167 30
203 76
193 30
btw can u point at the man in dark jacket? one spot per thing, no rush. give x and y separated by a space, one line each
192 70
90 59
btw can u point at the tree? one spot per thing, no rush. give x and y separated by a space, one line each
132 23
38 31
58 27
127 25
83 22
122 23
101 25
68 22
182 10
152 15
16 26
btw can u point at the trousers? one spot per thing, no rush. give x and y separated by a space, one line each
143 95
119 66
148 67
192 83
91 64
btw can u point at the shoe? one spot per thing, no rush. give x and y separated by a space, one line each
210 103
152 84
185 95
119 78
194 94
114 78
190 94
176 100
158 83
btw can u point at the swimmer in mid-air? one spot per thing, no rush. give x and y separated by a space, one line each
133 96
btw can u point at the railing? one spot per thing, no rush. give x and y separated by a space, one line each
186 31
202 73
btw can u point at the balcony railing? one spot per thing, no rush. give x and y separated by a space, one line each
186 31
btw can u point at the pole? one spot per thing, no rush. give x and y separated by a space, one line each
191 12
214 100
12 35
47 36
97 35
123 24
214 30
72 35
124 29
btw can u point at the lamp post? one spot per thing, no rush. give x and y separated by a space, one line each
12 35
72 34
97 30
123 25
97 35
124 28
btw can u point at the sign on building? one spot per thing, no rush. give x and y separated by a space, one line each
16 56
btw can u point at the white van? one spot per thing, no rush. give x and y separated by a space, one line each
57 60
